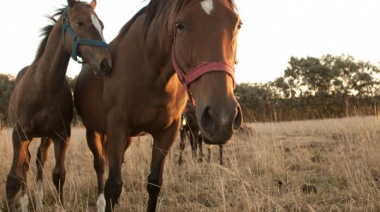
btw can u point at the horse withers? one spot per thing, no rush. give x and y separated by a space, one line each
41 104
167 51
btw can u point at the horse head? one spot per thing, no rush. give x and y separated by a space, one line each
83 36
204 55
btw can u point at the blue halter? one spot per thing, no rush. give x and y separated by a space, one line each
77 40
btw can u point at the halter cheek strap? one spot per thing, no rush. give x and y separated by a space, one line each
77 40
195 73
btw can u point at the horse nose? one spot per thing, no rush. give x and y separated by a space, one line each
238 119
207 120
221 124
105 67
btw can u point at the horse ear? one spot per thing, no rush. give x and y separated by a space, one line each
71 2
93 4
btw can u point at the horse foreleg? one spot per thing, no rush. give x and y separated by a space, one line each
24 201
201 155
42 154
59 171
194 146
16 178
161 146
209 153
116 146
221 154
96 142
181 146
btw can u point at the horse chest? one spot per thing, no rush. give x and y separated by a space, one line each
42 114
151 119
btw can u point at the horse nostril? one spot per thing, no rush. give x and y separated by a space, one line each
207 121
105 67
238 119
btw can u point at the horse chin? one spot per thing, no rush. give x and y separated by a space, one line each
215 141
100 72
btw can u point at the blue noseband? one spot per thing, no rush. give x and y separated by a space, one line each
77 40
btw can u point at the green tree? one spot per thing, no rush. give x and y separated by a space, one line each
7 85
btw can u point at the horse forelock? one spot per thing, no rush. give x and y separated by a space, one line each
167 11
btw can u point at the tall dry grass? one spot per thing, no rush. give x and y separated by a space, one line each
322 165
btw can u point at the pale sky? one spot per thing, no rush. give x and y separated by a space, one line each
272 32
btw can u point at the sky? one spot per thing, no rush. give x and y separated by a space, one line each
272 32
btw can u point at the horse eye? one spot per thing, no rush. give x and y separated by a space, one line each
80 24
239 25
180 26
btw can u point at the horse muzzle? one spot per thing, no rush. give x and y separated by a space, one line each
219 124
104 68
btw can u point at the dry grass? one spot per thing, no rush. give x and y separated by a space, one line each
324 165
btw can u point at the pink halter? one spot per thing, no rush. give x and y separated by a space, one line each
195 73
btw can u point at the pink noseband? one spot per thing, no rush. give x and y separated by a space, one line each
195 73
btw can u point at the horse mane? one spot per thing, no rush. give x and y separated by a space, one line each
45 32
154 9
126 27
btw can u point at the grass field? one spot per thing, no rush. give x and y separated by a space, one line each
322 165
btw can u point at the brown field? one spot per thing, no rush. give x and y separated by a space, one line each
322 165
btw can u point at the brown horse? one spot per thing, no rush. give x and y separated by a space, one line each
143 94
190 131
41 104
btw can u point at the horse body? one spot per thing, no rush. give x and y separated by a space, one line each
143 94
41 104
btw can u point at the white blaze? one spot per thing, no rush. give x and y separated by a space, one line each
207 6
96 23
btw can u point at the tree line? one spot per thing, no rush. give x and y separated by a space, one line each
310 88
7 85
313 88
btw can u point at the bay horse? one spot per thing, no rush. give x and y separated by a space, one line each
41 104
168 51
190 131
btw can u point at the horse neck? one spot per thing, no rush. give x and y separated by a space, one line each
153 44
52 65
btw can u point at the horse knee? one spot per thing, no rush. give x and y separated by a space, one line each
99 166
